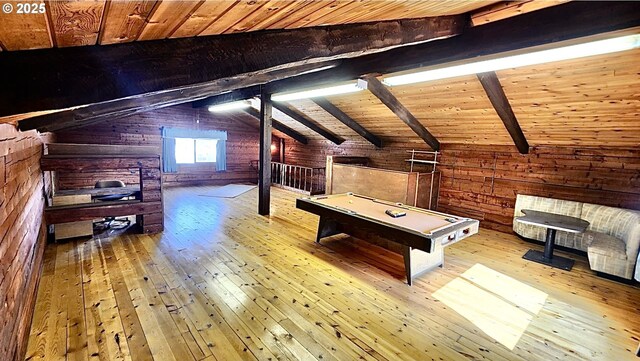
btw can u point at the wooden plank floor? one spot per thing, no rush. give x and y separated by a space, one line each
222 283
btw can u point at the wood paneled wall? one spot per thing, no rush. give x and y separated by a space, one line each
22 235
482 181
144 129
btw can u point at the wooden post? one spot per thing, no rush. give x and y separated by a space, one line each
264 177
282 150
328 172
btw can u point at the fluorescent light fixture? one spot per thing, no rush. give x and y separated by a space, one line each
229 106
320 92
539 57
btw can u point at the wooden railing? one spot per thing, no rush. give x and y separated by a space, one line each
306 179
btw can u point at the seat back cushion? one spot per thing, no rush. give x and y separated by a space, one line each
558 206
623 224
551 205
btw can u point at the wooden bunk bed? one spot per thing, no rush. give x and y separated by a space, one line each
145 201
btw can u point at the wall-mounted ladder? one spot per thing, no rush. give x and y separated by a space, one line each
418 156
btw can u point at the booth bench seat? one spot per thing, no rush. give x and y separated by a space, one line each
611 241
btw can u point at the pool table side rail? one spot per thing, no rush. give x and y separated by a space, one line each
390 203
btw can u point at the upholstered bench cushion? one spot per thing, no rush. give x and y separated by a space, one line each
581 241
607 255
608 246
557 206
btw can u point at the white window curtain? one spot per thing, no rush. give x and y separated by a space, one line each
169 136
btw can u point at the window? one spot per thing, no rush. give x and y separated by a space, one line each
189 150
206 150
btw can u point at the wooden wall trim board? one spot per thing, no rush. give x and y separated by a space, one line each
507 9
22 235
482 181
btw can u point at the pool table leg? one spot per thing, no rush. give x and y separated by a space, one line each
406 254
327 227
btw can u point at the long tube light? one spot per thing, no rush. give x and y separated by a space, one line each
229 106
539 57
320 92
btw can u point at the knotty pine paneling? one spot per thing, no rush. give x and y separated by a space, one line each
482 181
23 32
586 102
22 235
75 23
144 129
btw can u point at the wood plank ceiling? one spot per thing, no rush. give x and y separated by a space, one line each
77 23
587 102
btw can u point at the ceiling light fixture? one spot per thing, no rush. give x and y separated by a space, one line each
538 57
321 92
242 104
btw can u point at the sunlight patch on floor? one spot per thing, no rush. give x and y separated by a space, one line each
500 306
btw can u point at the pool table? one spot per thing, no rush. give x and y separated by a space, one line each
422 233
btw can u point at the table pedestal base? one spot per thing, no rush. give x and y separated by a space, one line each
555 261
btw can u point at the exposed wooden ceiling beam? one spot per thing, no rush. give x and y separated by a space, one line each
387 98
498 99
304 120
346 120
232 96
279 126
87 115
542 27
60 78
568 21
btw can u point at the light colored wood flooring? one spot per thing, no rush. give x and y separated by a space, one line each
222 283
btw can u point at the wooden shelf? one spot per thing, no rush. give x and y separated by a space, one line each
99 150
98 156
97 192
422 151
421 161
91 205
86 212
